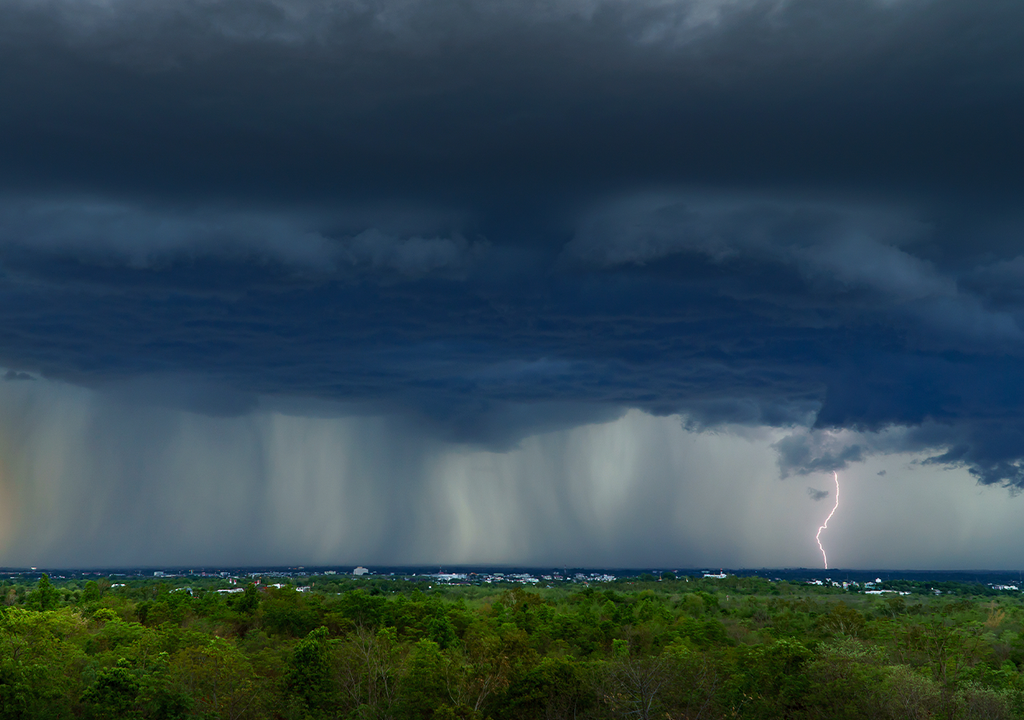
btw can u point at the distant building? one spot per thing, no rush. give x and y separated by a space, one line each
360 571
450 577
886 592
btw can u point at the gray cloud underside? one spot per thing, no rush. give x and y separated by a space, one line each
469 103
505 217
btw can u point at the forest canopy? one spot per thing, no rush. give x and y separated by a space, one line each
644 647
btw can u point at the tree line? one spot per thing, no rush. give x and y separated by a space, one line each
371 649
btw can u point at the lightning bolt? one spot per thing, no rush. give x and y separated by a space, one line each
824 525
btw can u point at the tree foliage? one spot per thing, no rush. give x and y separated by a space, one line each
667 648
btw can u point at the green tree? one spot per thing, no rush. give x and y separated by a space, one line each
45 596
216 679
845 675
556 689
693 682
40 662
114 693
910 695
309 675
91 592
423 690
843 620
21 690
636 684
770 681
249 600
367 672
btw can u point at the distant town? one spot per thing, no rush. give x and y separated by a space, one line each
303 579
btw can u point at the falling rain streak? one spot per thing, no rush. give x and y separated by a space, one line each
824 525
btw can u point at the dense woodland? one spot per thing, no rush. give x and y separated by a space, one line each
377 648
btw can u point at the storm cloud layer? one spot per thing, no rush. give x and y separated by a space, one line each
485 106
498 220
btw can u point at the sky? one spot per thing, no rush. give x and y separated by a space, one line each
573 282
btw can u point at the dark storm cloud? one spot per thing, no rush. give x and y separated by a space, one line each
499 218
808 453
817 495
480 104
